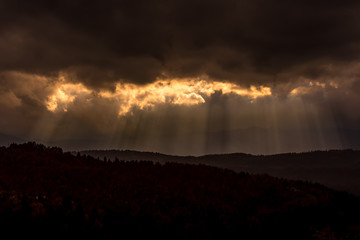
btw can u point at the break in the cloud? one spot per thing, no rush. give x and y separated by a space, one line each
182 76
128 96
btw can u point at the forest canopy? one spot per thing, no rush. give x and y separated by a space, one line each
48 193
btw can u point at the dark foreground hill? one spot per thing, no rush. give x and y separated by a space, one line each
45 193
337 169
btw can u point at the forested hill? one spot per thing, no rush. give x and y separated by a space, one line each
48 194
338 169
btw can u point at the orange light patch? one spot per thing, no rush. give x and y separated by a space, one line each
175 91
309 88
64 95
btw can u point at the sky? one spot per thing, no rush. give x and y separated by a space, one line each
182 77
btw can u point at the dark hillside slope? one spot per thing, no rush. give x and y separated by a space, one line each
47 194
337 169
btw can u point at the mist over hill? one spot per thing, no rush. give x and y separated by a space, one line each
6 139
338 169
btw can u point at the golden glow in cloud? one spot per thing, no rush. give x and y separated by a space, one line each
310 87
175 91
64 95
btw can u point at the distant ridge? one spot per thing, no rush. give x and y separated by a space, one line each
338 169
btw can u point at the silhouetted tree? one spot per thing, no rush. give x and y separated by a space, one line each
45 193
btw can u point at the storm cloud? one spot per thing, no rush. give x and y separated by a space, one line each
100 42
63 64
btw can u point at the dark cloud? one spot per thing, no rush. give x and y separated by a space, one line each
309 46
100 42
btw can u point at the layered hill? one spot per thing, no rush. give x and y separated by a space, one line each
45 193
338 169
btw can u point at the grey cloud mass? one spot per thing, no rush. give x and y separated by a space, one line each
99 42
